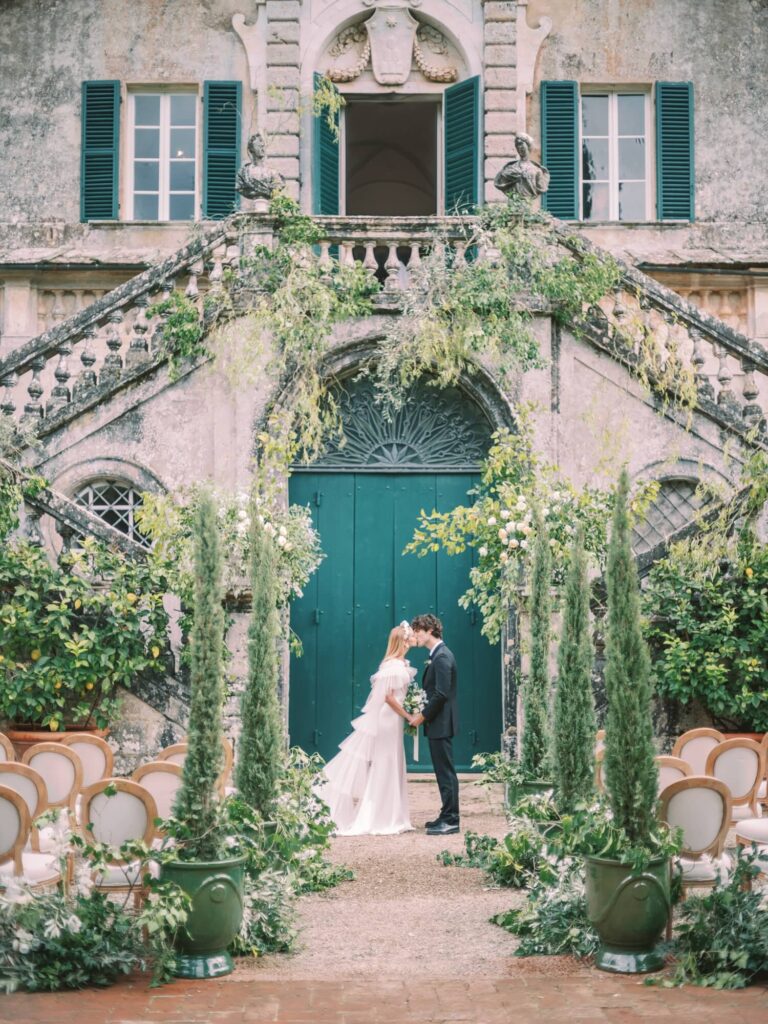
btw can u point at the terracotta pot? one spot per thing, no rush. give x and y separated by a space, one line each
24 738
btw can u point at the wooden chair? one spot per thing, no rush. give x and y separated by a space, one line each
671 769
162 779
740 764
7 753
177 754
599 741
113 819
35 869
599 774
694 747
61 769
95 755
762 791
701 807
30 786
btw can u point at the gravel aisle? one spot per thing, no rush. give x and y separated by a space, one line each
405 914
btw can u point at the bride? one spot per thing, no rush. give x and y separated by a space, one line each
365 783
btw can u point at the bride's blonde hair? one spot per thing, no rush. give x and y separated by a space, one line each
396 647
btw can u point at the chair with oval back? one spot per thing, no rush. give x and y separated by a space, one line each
740 764
694 747
34 869
762 791
7 753
671 769
61 769
162 779
701 807
116 811
95 755
30 786
177 753
599 770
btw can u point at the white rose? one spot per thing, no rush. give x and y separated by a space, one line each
545 511
552 542
492 521
483 551
503 535
555 495
514 542
520 527
568 528
288 546
523 544
521 502
283 531
242 514
269 528
504 557
281 541
506 514
526 530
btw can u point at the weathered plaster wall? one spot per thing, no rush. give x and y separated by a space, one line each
723 49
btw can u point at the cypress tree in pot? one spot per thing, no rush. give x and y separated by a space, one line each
202 869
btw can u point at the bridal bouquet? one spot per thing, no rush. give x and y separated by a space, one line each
414 702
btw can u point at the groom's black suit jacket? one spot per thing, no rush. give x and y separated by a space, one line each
441 718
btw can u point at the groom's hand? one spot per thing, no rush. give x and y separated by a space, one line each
417 720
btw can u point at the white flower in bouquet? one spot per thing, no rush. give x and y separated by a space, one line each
514 542
492 520
503 536
483 551
506 514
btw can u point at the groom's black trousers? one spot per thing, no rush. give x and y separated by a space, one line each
447 781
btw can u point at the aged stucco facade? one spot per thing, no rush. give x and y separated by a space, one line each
134 425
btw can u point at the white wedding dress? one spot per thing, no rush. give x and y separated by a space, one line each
365 783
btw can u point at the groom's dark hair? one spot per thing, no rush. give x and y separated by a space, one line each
430 624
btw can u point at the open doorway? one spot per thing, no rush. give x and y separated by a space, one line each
390 156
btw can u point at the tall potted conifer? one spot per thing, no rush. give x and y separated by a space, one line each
628 897
213 881
260 749
534 758
574 713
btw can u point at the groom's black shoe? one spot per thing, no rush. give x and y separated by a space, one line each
443 828
432 824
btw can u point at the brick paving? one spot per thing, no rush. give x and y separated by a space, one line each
455 967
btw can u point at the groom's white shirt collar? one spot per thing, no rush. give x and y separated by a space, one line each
432 652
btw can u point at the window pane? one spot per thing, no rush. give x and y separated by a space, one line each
182 207
182 177
183 108
596 206
147 109
147 142
145 176
594 158
631 115
631 158
183 142
145 207
631 200
594 115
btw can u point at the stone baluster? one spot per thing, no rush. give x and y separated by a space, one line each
347 254
325 256
67 535
169 286
192 291
57 309
217 270
33 409
86 379
726 399
61 396
112 367
138 350
414 262
32 529
752 411
369 260
704 385
394 268
459 254
8 403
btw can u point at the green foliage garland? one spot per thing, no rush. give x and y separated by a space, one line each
574 710
534 757
261 740
197 803
630 769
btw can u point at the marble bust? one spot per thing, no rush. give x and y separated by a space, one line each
255 179
522 176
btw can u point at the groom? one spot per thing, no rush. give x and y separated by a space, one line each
440 718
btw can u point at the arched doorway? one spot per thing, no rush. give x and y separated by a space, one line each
365 495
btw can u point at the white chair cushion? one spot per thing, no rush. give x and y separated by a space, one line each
163 787
93 761
699 813
755 830
738 768
36 867
762 792
741 812
124 874
117 818
58 772
696 751
704 868
24 786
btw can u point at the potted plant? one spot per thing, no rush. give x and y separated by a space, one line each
199 863
72 635
627 868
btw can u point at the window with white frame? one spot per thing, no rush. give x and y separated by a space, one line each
163 179
115 503
615 156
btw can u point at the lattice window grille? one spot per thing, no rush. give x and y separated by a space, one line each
675 507
115 503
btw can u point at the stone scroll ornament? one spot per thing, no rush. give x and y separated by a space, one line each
391 39
522 176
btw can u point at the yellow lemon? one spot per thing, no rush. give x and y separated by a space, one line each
78 602
155 652
89 686
749 573
2 658
35 654
131 598
57 686
53 726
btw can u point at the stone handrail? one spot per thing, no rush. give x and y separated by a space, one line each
112 337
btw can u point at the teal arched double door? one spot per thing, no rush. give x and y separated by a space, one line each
365 498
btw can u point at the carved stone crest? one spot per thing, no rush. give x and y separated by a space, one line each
392 32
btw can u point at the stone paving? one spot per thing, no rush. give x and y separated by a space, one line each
367 957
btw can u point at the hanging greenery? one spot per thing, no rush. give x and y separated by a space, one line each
536 687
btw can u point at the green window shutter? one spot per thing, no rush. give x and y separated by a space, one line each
461 123
325 164
674 151
99 152
221 148
559 147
